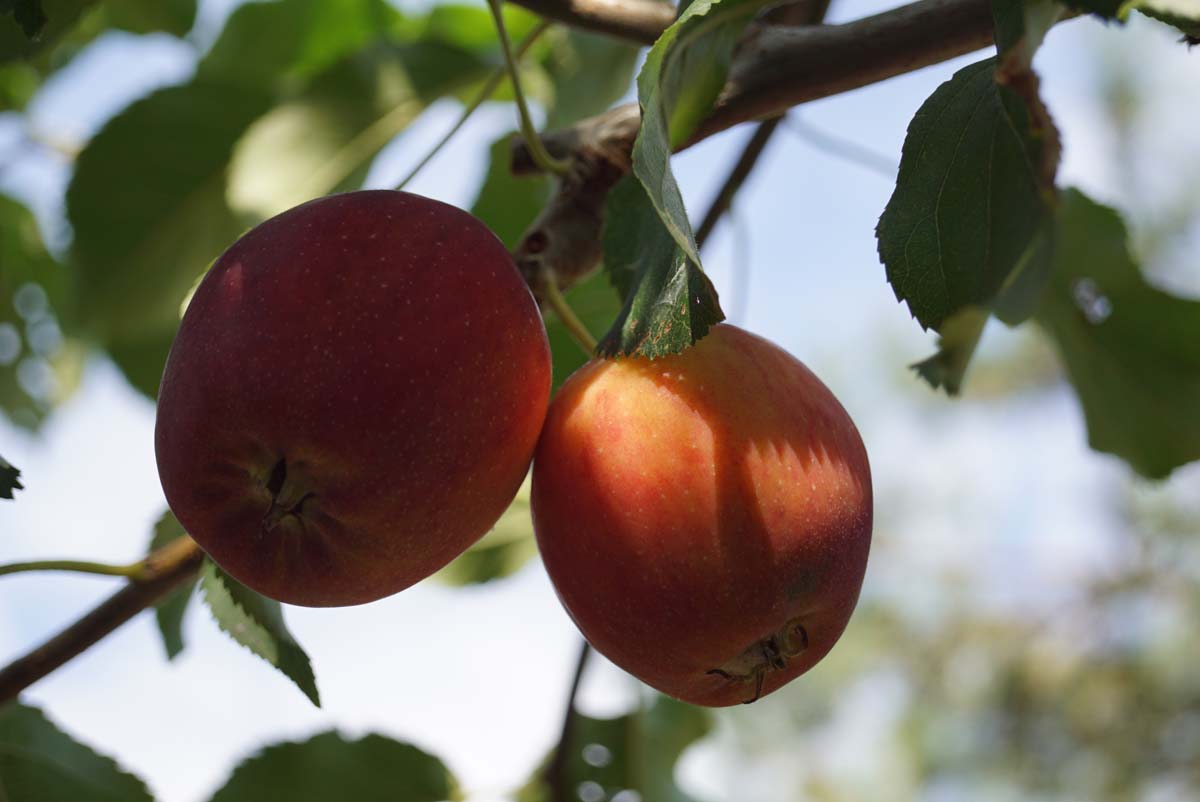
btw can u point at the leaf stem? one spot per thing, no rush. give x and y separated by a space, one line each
558 302
536 149
489 86
131 571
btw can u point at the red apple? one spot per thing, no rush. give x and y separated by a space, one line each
705 517
353 397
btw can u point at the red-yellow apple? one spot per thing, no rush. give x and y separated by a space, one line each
705 517
353 397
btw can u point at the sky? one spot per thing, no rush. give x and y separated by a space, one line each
479 676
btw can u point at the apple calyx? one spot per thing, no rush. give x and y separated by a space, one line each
288 496
765 654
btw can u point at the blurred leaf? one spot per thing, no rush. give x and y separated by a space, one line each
10 479
18 83
175 17
1131 351
501 552
323 140
669 302
33 290
141 356
508 203
256 622
971 201
28 14
279 43
470 27
960 334
19 17
635 752
147 203
589 73
170 611
433 69
328 767
39 762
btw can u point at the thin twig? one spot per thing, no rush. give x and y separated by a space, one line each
640 21
842 148
489 86
804 12
537 150
778 67
737 176
556 770
165 569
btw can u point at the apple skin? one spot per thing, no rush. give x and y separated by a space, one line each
353 397
705 517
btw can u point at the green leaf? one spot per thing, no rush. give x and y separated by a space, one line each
9 479
324 140
328 767
635 752
501 552
589 73
470 27
31 26
956 345
670 303
506 203
256 622
1182 14
19 82
972 200
147 203
141 356
682 76
1131 351
280 43
170 611
28 15
175 17
40 762
33 291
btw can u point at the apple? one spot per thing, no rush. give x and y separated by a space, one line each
353 397
705 517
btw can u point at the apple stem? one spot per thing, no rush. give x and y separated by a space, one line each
485 92
558 302
537 150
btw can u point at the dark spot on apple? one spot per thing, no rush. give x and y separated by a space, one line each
277 478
